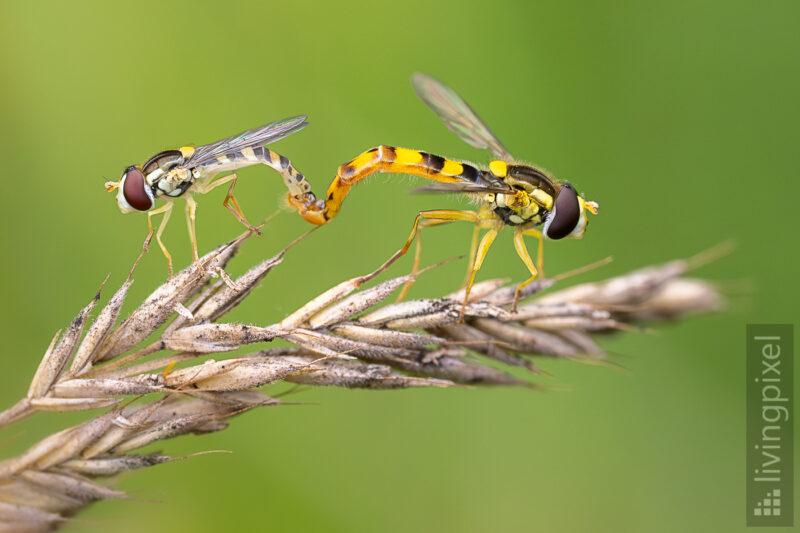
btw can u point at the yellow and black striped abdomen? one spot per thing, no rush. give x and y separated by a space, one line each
405 161
395 160
294 180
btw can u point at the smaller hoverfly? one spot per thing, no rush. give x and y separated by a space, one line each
509 193
189 169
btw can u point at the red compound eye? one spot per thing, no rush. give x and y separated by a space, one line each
134 190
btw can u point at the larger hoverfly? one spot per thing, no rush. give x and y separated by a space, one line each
190 169
509 193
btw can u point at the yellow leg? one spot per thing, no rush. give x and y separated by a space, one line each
486 219
414 269
418 251
434 217
167 210
522 251
191 215
229 199
473 247
480 255
540 249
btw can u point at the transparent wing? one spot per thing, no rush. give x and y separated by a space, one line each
460 187
457 115
255 137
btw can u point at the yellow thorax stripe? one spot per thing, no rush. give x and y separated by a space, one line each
498 168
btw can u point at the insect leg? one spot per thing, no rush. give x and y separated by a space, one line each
425 219
434 217
473 247
485 220
229 198
167 210
522 252
480 255
540 250
441 215
424 223
191 214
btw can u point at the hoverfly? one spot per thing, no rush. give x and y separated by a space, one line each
190 169
509 193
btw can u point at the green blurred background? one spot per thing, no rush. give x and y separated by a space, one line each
680 118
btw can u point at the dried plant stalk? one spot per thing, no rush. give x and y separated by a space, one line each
341 339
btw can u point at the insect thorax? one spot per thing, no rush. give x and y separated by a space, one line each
165 176
517 215
527 205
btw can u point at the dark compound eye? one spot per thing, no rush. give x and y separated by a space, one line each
134 190
566 215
